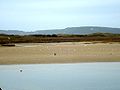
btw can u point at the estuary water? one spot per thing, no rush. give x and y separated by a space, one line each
78 76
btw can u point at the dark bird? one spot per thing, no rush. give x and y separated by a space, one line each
21 70
54 54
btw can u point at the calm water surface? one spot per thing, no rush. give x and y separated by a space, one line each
82 76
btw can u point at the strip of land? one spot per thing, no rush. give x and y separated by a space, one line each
69 52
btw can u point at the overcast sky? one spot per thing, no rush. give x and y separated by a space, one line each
31 15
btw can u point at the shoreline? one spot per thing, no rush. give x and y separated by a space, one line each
63 63
44 53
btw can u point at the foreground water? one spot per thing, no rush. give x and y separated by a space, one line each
82 76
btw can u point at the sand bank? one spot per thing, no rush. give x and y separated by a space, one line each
72 52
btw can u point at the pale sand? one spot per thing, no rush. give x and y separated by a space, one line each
65 53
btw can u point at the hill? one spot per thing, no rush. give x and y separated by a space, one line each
69 30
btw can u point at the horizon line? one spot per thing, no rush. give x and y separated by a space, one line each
58 28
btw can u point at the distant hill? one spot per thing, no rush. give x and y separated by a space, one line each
14 32
69 30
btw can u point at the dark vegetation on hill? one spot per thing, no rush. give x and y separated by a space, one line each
39 38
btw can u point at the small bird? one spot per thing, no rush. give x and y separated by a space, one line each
54 54
21 70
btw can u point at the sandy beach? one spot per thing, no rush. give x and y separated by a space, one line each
71 52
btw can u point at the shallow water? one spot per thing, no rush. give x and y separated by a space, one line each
82 76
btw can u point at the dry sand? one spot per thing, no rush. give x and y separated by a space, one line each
65 53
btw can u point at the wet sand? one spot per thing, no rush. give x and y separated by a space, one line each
72 52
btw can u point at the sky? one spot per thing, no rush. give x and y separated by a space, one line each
32 15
